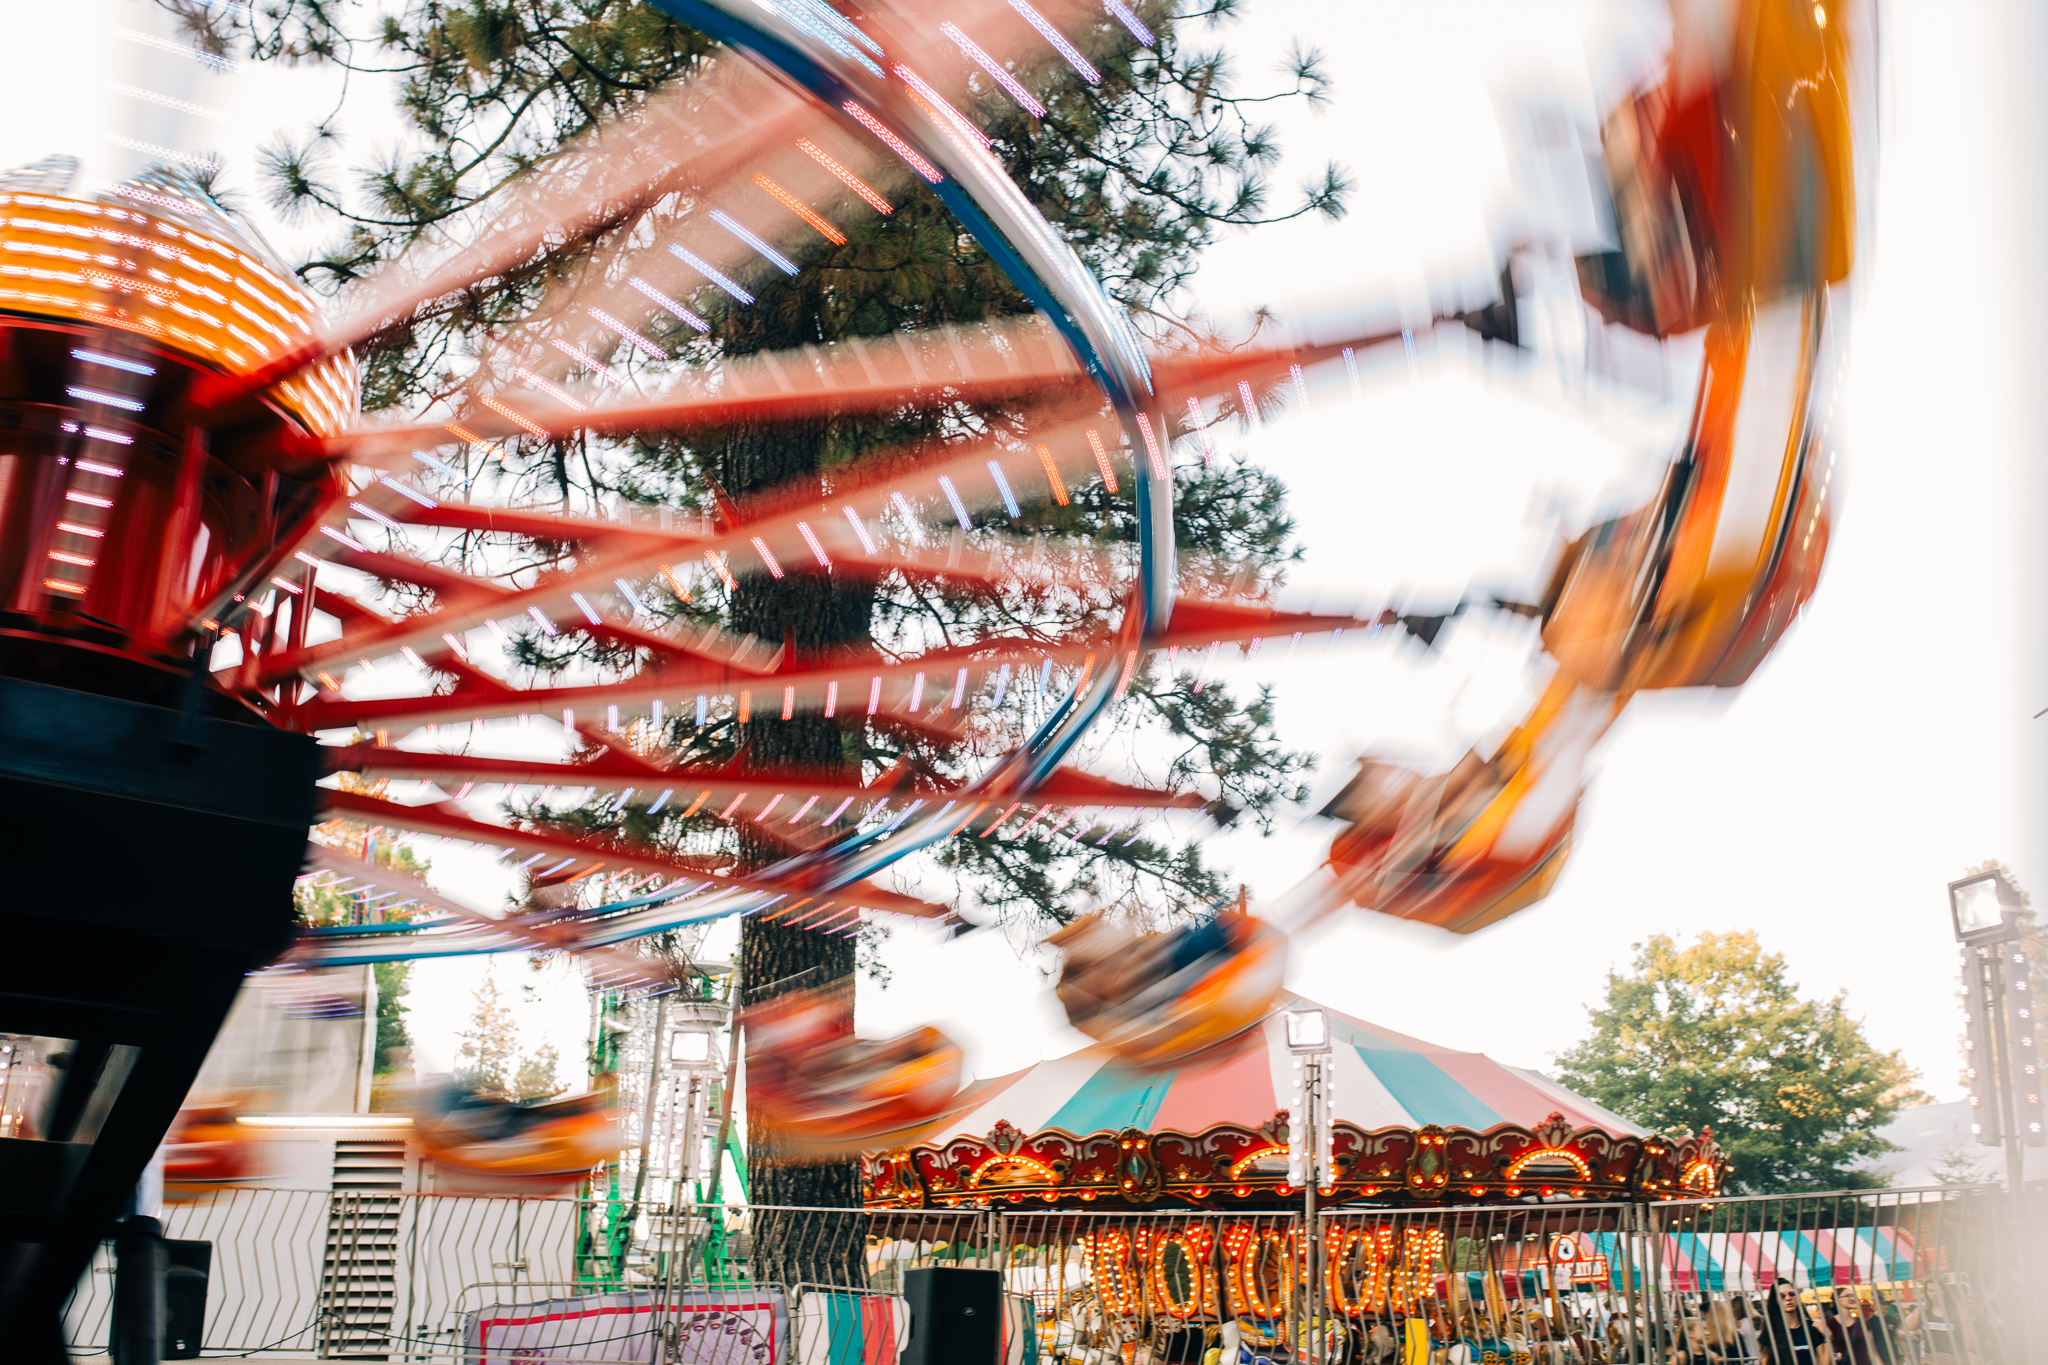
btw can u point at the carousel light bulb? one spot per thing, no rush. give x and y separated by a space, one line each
846 177
995 70
811 539
639 342
109 399
1003 487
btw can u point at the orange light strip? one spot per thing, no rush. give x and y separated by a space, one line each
1052 476
801 210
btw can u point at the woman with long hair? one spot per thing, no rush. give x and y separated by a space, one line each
1746 1319
1789 1339
1691 1347
1725 1333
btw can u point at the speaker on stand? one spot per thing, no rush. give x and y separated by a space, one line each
185 1275
956 1316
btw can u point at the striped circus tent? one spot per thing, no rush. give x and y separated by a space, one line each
1812 1258
1382 1079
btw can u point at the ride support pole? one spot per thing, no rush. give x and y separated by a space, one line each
136 1332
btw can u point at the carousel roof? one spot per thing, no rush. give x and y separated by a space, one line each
1413 1123
1382 1079
157 256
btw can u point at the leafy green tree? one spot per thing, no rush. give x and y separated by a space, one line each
394 981
317 904
1714 1034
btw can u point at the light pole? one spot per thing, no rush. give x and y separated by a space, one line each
1308 1153
1988 911
1991 917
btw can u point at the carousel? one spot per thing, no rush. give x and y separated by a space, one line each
1414 1124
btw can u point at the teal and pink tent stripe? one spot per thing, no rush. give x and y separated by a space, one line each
851 1329
1745 1262
1383 1079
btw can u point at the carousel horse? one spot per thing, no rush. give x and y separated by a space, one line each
828 1095
1736 192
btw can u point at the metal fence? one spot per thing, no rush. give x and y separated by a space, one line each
433 1278
1896 1277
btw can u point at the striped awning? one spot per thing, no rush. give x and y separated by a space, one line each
1813 1258
1381 1079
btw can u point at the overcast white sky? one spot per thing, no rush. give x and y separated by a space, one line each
1882 749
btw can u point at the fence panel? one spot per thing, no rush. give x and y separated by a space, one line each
464 1252
264 1290
1892 1277
1908 1277
1512 1282
1164 1286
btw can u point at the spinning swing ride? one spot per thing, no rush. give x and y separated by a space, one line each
183 457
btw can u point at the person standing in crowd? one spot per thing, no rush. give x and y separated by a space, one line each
1724 1330
1930 1323
1746 1326
1692 1346
1790 1338
1621 1346
1845 1329
1881 1322
1584 1335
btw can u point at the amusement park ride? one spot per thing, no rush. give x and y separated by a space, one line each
182 455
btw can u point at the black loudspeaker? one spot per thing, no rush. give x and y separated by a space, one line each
956 1316
185 1278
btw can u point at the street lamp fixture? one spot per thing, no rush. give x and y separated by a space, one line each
690 1047
1986 908
1308 1137
1308 1031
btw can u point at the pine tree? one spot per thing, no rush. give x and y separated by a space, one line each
490 1045
535 1079
1963 1162
1137 173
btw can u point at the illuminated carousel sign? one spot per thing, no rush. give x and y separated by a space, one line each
1577 1259
1228 1166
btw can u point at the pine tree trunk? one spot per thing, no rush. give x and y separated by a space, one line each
808 613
